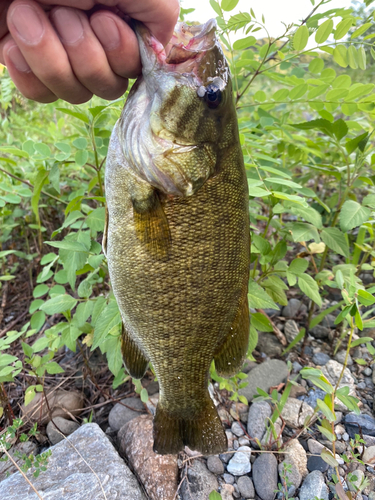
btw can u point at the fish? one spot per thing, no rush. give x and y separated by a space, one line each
177 234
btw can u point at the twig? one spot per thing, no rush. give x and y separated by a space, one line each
21 471
279 334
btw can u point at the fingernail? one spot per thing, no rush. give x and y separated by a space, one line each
68 25
107 31
15 55
26 21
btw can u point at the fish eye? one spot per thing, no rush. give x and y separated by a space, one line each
212 96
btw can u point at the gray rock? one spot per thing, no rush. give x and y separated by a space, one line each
120 414
200 482
225 457
269 344
296 459
340 357
369 455
246 487
353 422
314 486
320 331
256 423
7 467
356 479
240 463
317 463
321 358
295 413
265 476
266 375
67 427
291 330
297 367
215 465
292 308
237 429
312 397
70 477
228 478
367 371
369 440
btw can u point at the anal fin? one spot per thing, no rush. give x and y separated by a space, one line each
151 226
232 353
134 359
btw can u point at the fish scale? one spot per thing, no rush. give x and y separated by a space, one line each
179 264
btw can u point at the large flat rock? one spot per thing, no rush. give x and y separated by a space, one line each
68 477
268 374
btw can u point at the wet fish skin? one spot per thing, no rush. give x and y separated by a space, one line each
177 235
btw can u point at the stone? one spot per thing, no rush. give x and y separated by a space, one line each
295 454
268 438
321 358
369 455
317 463
215 465
332 370
74 477
237 429
227 491
7 466
228 478
61 403
295 412
314 446
239 464
354 422
121 414
320 332
199 484
246 487
269 344
243 441
314 486
225 457
158 473
312 396
367 371
297 390
265 476
58 424
291 330
257 420
268 374
340 357
356 479
369 440
292 308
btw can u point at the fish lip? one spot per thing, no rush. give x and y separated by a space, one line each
189 42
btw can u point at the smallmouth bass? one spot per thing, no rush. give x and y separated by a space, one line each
177 235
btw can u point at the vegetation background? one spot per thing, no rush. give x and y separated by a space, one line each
306 120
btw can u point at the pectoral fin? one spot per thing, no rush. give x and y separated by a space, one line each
105 232
134 359
232 353
151 226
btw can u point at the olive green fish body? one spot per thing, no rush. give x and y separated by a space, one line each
178 250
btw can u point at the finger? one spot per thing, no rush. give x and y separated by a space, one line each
119 43
86 55
20 72
43 51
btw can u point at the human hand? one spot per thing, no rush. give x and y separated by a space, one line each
58 51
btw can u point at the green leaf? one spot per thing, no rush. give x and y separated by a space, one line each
261 322
301 38
335 240
362 29
343 27
324 30
365 298
54 177
73 246
81 157
310 287
303 232
353 215
40 290
295 341
77 114
214 495
327 412
358 90
308 213
42 149
362 58
329 458
355 143
262 245
38 184
228 5
298 91
7 359
53 368
144 395
109 318
80 143
96 219
59 304
37 320
340 128
340 55
316 65
298 266
258 298
244 43
216 7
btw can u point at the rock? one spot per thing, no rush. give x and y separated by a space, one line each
295 412
297 367
151 404
354 422
225 457
321 358
269 344
314 446
296 454
266 375
240 463
243 441
7 466
332 370
314 486
320 331
312 397
246 487
291 330
201 483
120 414
158 473
228 478
265 476
356 480
256 423
269 440
60 402
317 463
215 465
292 308
67 427
152 387
369 440
340 357
367 371
369 455
70 477
296 391
227 491
237 429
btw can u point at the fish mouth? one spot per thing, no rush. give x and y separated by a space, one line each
193 50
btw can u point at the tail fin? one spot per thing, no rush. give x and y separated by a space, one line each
204 433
